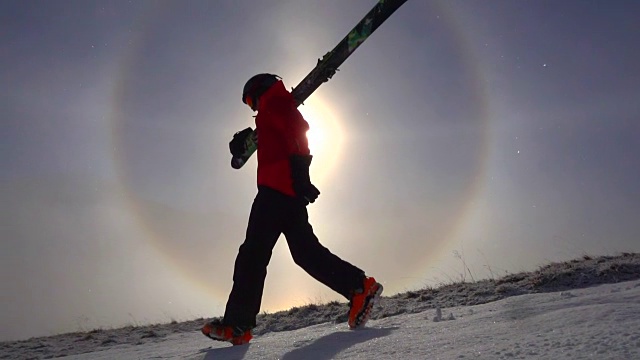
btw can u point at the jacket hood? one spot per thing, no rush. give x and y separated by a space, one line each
276 91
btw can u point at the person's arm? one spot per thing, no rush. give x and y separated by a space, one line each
300 157
289 122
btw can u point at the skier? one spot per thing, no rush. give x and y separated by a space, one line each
284 191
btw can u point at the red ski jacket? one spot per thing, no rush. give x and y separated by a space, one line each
281 133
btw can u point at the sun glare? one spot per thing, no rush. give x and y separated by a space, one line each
325 137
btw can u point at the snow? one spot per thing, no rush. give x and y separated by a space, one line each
598 322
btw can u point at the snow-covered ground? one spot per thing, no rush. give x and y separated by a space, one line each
593 322
596 323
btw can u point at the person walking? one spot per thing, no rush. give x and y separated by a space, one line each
284 191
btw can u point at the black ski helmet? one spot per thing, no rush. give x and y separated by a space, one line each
256 86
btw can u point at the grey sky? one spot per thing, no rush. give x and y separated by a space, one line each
507 132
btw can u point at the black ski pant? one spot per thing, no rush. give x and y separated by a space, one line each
272 214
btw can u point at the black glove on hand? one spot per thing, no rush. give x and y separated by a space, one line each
302 185
238 145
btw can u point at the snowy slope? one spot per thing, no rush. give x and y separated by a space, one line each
586 308
601 322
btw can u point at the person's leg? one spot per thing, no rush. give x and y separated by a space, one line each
315 259
250 268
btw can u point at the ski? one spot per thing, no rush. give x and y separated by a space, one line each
328 65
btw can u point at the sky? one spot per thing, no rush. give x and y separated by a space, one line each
461 140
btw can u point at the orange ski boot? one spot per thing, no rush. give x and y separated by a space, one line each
362 302
236 335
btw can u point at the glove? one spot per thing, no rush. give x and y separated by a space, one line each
238 145
302 185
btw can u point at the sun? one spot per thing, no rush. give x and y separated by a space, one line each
325 137
317 137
